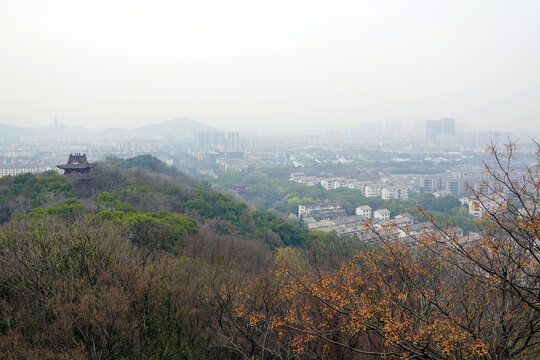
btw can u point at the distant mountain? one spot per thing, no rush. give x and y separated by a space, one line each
63 130
179 127
114 132
11 131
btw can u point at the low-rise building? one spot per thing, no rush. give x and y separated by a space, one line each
295 176
369 189
364 210
442 193
395 193
382 214
373 190
13 171
309 180
321 211
482 204
332 183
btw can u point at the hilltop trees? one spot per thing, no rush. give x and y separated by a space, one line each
80 290
21 192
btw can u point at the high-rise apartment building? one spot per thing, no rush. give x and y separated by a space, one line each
448 126
215 140
441 132
433 129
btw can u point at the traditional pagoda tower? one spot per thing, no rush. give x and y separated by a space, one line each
77 164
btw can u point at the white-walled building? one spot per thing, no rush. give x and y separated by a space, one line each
395 192
364 210
382 214
321 211
373 190
492 203
294 176
442 193
369 189
332 183
23 170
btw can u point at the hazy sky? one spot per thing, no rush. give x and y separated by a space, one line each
254 64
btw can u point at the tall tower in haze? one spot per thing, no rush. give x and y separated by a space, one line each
433 129
441 132
448 126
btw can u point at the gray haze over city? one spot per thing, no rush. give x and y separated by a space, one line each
251 65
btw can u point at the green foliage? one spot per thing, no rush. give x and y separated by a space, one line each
290 234
443 204
32 186
135 188
201 207
106 198
147 162
21 193
158 230
66 209
36 213
111 201
209 205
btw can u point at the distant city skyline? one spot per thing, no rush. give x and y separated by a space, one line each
361 125
243 65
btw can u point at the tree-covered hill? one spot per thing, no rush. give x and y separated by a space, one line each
135 191
138 260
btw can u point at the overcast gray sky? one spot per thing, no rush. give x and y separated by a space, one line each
253 64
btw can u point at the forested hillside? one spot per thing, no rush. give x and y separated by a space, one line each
140 192
137 261
140 261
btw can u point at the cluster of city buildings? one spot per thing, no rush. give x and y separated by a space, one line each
232 152
368 189
366 225
20 168
133 146
223 141
214 140
499 203
443 134
455 183
332 210
447 134
23 170
322 211
238 161
450 183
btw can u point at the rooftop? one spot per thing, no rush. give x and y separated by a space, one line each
77 163
364 207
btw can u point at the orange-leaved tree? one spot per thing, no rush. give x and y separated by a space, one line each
431 294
